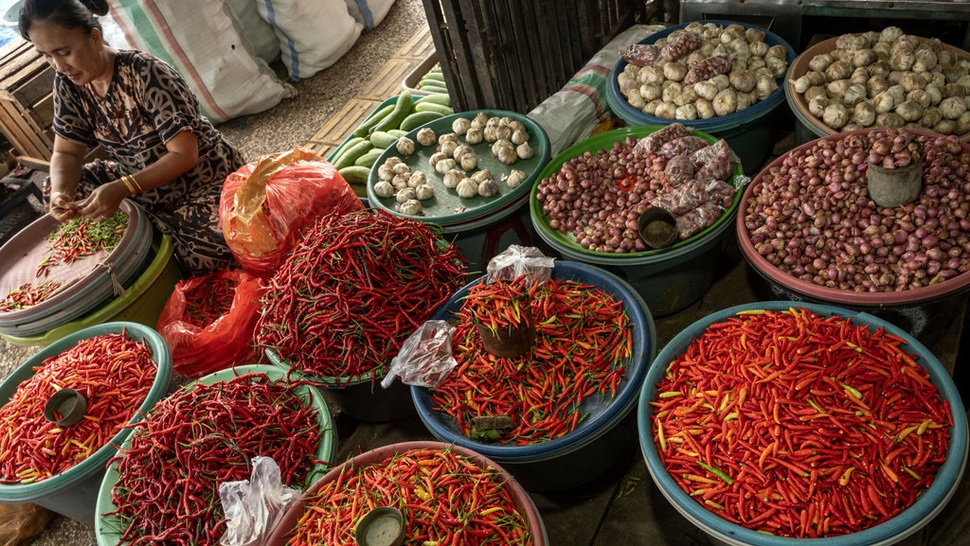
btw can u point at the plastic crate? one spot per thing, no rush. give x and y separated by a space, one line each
508 55
20 209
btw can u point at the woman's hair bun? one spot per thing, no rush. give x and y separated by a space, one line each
97 7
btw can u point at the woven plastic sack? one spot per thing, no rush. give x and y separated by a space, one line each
266 204
200 349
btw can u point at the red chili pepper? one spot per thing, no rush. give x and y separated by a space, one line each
846 455
353 290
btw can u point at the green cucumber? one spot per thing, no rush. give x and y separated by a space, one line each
335 155
355 174
438 98
382 139
418 119
436 89
397 132
433 107
369 157
401 110
347 158
373 120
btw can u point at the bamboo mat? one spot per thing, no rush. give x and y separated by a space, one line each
384 85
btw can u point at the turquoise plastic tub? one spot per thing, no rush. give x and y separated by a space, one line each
749 133
105 530
601 440
893 531
74 492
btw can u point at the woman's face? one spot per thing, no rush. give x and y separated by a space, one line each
71 52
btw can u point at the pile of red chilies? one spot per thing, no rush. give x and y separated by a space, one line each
446 498
798 425
168 484
27 295
209 301
353 290
583 339
112 371
81 237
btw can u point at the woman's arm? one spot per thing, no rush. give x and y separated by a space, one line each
182 155
65 173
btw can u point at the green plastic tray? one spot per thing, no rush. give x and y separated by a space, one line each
326 451
441 208
604 141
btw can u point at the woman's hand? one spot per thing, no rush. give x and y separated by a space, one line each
103 201
63 207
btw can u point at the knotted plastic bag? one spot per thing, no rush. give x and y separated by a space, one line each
266 204
516 261
200 349
253 507
425 358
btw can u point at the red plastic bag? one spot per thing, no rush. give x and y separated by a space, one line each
266 204
200 344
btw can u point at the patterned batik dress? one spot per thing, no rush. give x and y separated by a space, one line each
147 103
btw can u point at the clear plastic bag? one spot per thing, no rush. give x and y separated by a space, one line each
425 358
516 261
253 507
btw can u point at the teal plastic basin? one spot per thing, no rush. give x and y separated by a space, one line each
74 492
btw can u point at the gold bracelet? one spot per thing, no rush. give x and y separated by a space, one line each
135 183
131 189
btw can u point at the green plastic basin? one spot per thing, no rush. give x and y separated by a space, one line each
105 529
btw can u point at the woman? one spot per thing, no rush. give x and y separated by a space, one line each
164 154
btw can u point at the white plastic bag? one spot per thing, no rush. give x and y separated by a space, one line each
253 507
313 34
570 114
516 261
425 358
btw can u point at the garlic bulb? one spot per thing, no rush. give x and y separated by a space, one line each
515 177
405 146
404 195
460 151
479 120
393 160
447 137
384 172
424 192
444 165
461 125
452 178
499 144
467 188
481 176
487 188
426 136
519 136
474 135
383 189
508 155
417 178
524 151
411 207
469 162
448 147
436 157
401 168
